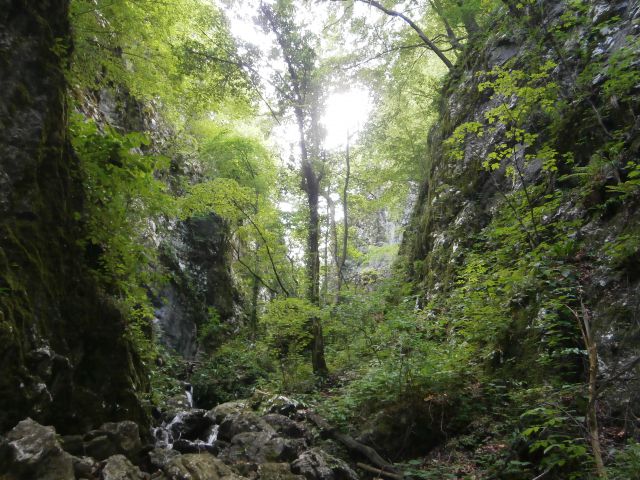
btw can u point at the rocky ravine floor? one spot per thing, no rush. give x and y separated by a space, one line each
269 439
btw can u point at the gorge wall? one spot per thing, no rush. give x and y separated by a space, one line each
63 353
530 209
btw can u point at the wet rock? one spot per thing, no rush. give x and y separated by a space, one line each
315 464
282 405
285 426
193 446
32 451
125 436
84 467
262 447
219 413
200 466
160 457
236 423
118 467
277 471
191 424
100 447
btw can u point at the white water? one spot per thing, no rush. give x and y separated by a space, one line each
164 434
189 393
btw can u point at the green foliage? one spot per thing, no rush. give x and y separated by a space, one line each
166 371
212 330
518 96
183 54
224 196
622 72
626 463
550 431
232 371
288 336
123 200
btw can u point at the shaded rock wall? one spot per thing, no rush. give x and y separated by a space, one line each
461 198
196 253
63 357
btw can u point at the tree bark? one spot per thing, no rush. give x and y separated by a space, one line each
345 222
352 444
311 186
584 321
301 100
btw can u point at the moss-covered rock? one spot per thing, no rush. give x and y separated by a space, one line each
63 356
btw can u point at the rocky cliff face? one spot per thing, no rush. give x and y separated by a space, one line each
196 253
63 356
540 207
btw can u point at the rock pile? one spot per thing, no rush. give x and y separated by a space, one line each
230 442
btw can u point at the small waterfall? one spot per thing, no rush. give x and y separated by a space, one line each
188 388
170 431
213 436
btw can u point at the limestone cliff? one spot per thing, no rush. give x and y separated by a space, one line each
63 356
524 216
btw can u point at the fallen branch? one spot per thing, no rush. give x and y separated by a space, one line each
353 445
379 471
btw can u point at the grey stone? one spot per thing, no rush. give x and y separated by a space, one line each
236 423
285 426
160 457
262 447
72 444
220 412
84 467
118 467
125 436
32 451
100 447
277 471
199 466
316 464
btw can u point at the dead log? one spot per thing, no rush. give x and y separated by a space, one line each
354 446
379 471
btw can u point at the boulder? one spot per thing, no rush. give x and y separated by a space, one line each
236 423
287 427
100 447
193 446
160 457
262 447
190 424
72 444
316 464
219 413
199 466
32 451
126 437
282 405
84 467
118 467
277 471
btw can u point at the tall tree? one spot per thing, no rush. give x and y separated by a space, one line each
300 90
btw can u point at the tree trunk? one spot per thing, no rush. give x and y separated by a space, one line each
255 292
313 268
584 321
345 222
428 43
